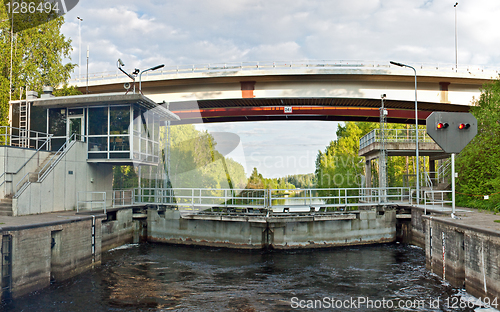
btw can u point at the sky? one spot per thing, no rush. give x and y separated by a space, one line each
181 32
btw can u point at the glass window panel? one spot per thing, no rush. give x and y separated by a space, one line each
137 119
38 119
15 116
144 128
57 121
143 146
137 144
119 119
136 155
98 155
157 128
75 111
98 144
119 155
98 120
119 143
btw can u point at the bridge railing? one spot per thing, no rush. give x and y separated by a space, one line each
337 197
194 199
395 136
199 197
172 70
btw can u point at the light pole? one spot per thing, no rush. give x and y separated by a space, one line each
80 20
140 75
456 39
416 128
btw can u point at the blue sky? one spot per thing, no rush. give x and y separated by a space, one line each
176 32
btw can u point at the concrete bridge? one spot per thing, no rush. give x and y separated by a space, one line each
306 90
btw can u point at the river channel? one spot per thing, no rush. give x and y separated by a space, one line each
157 277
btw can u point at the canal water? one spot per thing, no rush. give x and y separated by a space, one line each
157 277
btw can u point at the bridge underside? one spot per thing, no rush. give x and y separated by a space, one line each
326 109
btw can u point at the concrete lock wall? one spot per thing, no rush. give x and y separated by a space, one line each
118 229
169 227
52 252
58 192
364 227
464 257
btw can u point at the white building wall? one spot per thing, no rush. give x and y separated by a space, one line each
58 191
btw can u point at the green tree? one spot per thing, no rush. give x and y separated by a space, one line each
38 54
478 164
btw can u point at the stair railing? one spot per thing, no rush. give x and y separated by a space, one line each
4 175
54 160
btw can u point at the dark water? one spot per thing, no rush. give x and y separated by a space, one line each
154 277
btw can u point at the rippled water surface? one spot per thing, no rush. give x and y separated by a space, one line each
155 277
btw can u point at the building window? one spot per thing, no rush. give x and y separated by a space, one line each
119 119
57 121
98 121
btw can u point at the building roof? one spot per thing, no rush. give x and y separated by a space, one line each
105 99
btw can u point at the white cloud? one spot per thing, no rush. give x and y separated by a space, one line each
180 32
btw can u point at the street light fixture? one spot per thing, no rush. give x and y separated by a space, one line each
416 127
152 68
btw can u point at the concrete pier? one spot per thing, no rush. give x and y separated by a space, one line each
465 251
38 249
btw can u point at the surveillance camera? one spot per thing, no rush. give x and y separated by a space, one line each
383 96
136 71
120 62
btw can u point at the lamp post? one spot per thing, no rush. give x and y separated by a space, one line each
79 47
140 75
456 38
416 127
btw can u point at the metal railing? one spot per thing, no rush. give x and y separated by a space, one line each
437 198
186 197
337 197
395 136
45 144
123 197
272 198
90 201
47 168
169 71
12 136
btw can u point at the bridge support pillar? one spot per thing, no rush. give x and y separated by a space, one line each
368 173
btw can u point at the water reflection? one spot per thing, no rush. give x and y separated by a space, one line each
153 277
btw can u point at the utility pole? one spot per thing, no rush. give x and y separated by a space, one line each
88 54
79 47
456 39
383 153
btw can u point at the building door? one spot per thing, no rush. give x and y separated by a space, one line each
75 125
